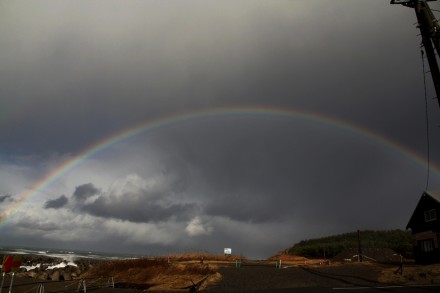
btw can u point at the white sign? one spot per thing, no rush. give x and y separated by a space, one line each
228 250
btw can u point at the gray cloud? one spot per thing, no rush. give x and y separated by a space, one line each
56 203
261 55
85 191
152 199
132 207
4 198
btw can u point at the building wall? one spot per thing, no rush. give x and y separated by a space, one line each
425 227
426 247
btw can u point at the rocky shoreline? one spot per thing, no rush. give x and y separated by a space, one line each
44 268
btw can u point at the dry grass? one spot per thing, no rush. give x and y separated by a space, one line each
414 274
288 259
163 273
197 256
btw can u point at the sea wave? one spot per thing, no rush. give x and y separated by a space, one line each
68 255
34 258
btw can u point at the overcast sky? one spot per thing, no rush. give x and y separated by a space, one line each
350 155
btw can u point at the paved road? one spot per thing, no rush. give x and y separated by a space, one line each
430 289
258 279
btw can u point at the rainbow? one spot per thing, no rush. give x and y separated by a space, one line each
136 130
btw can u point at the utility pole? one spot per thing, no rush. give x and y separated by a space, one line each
430 31
360 258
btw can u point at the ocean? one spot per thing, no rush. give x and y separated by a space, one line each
65 254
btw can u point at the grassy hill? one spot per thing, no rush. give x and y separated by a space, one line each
397 240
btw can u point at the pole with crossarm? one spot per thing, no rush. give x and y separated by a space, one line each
430 31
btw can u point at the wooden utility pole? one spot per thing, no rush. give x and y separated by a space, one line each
430 31
359 247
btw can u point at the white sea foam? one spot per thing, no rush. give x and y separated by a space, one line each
68 255
28 268
62 265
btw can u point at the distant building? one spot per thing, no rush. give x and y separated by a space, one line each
425 228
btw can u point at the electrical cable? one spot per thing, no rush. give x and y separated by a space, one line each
427 120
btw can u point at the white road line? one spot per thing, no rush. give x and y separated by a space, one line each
385 287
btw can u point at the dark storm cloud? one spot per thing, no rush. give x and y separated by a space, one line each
138 208
56 203
156 198
262 56
85 191
138 200
272 170
4 198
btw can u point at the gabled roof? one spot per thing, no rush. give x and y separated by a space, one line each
432 194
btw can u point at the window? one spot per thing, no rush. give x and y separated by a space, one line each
430 215
426 245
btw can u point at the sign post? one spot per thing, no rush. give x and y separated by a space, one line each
228 251
11 263
3 278
12 281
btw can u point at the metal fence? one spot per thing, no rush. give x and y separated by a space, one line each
11 285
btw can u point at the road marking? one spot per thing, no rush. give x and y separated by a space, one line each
385 287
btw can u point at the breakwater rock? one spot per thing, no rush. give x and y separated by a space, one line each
42 267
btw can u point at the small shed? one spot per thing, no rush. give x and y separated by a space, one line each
425 228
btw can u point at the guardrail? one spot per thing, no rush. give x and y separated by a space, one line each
78 285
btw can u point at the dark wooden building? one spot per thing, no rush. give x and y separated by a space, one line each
425 228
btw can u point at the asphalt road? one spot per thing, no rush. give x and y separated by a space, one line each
429 289
296 279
